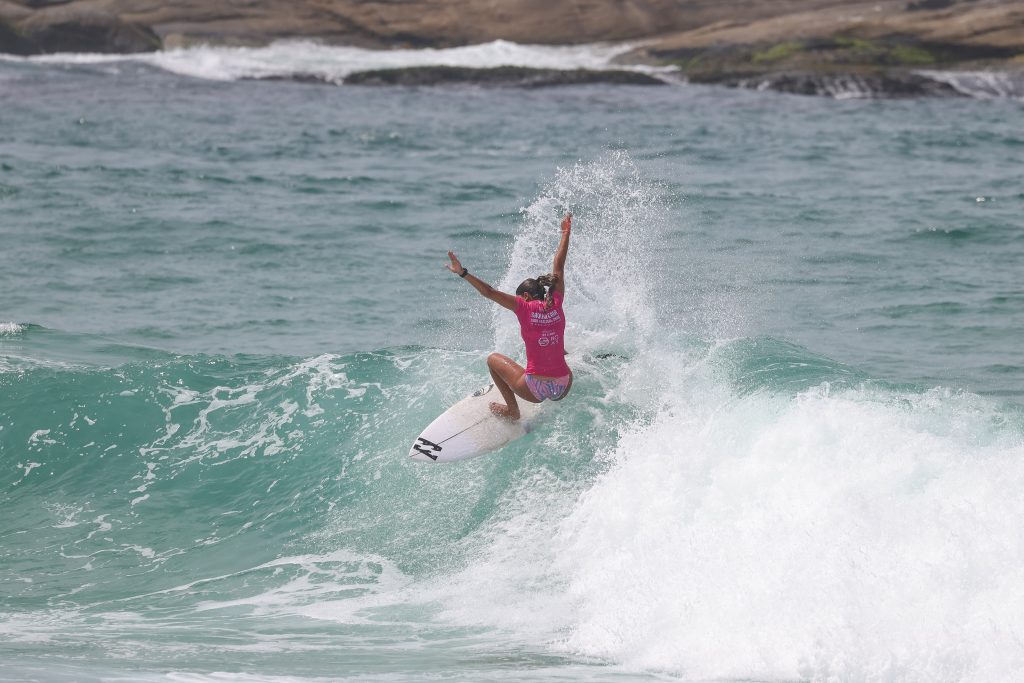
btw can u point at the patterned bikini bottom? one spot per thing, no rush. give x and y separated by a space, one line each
549 388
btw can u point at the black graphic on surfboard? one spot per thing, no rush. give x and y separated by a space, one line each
422 445
469 428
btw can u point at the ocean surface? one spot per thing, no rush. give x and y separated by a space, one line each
794 449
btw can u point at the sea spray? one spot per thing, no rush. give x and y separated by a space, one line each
764 511
617 218
849 536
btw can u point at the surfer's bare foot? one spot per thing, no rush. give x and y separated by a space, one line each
504 411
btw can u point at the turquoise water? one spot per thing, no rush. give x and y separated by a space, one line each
793 449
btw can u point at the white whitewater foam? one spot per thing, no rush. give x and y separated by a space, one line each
202 434
319 586
862 536
333 63
11 329
982 84
334 585
848 538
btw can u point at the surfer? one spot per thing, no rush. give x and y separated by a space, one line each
538 306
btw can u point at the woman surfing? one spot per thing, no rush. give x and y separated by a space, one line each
538 306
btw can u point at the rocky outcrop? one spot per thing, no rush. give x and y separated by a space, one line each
800 46
881 49
72 27
505 76
13 42
972 23
496 77
77 28
393 23
836 55
441 23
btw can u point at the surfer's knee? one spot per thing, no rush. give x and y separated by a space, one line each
495 360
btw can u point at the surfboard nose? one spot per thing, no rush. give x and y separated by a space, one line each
416 455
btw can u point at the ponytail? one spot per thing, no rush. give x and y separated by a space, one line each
541 287
548 283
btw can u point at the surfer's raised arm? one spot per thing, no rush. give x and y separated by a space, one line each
558 267
501 298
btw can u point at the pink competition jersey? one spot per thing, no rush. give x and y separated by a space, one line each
543 331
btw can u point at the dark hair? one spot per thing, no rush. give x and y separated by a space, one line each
538 288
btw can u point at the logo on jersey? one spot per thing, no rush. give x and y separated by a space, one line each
545 317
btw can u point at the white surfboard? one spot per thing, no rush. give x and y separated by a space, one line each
469 429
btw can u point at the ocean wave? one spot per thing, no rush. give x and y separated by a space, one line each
332 64
749 509
865 534
975 232
11 329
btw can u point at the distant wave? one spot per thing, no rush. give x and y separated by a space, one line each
284 59
306 59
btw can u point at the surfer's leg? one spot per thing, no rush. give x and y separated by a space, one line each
510 378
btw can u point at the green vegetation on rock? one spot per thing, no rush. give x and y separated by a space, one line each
848 54
843 50
778 52
913 56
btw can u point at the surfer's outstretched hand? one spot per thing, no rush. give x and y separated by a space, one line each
567 223
455 266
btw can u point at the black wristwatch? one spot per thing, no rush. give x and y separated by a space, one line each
464 272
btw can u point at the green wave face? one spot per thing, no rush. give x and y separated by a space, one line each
150 474
163 496
230 459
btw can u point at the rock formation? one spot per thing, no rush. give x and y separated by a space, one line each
805 46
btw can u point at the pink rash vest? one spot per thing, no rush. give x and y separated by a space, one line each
543 331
